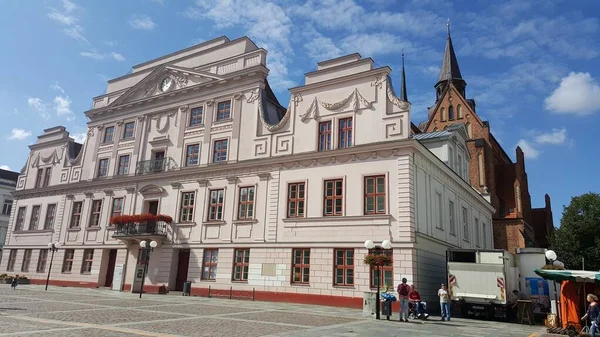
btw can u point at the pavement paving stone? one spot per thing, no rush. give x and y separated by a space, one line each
125 303
107 316
44 306
294 318
10 325
199 309
79 332
212 327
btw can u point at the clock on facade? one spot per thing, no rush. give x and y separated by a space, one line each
166 84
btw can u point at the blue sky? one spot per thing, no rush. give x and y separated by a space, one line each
532 66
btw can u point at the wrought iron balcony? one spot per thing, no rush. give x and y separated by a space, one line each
155 165
141 229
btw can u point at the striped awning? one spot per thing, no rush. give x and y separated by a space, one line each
569 275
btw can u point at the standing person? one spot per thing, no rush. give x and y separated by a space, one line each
444 303
403 292
14 282
593 313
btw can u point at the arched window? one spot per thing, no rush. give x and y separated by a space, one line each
443 114
459 111
469 130
450 113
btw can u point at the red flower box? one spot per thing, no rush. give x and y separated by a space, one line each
136 218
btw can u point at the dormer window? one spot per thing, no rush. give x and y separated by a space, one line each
223 110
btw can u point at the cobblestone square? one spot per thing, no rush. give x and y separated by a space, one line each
65 312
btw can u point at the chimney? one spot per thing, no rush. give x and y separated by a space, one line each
520 158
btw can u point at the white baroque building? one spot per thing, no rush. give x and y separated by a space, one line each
8 182
265 200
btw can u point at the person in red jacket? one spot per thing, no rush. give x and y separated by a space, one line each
415 298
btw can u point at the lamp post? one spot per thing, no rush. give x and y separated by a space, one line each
386 244
53 247
553 258
147 247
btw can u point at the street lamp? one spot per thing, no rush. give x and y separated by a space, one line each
147 247
553 258
53 247
386 244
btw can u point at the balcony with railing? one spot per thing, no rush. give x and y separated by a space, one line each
155 165
143 226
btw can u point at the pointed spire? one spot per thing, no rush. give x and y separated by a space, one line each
450 69
403 95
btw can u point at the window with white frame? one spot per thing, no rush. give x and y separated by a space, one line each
196 116
477 239
103 167
192 154
220 151
128 130
465 223
215 206
223 110
186 211
440 210
451 217
7 207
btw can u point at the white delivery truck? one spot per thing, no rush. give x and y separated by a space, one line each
480 281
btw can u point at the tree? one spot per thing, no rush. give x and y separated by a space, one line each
579 233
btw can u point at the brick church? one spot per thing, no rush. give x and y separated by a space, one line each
491 170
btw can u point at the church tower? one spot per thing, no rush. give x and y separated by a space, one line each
450 72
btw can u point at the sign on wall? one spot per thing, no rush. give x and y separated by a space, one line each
117 277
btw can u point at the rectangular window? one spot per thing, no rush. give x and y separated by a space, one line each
7 207
375 195
465 223
209 264
220 151
460 166
47 176
386 273
223 110
42 258
451 218
215 209
241 261
484 228
12 258
88 258
301 266
186 212
117 207
109 133
451 158
196 116
128 130
325 136
26 261
334 197
123 165
477 239
103 168
296 200
191 154
68 260
345 133
344 267
246 203
440 210
76 214
20 219
38 178
95 213
34 221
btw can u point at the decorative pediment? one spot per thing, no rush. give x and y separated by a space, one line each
164 80
151 190
355 101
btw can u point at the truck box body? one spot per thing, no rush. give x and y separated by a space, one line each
480 281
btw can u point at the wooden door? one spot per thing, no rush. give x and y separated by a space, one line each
110 270
182 269
153 207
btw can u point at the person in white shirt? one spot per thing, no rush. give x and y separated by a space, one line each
444 303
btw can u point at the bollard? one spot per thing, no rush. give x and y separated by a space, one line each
253 294
230 292
208 291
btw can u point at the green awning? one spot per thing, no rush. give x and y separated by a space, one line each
569 275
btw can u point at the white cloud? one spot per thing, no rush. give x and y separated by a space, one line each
76 32
160 2
319 47
19 134
555 137
111 43
5 167
62 106
39 106
79 137
98 56
578 94
69 6
62 18
528 150
55 86
143 22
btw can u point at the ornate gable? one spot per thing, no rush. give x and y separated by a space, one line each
163 80
450 102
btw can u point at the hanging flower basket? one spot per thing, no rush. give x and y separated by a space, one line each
378 259
125 219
